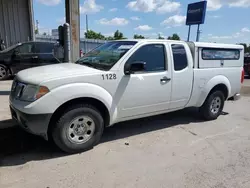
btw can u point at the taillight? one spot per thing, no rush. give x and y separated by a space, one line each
81 53
242 75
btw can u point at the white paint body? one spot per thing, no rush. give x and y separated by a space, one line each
136 95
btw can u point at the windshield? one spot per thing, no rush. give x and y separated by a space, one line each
107 55
10 48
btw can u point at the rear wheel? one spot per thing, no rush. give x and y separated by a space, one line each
4 73
213 106
80 128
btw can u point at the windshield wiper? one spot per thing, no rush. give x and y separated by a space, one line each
92 65
88 64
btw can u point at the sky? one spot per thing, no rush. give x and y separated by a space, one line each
227 21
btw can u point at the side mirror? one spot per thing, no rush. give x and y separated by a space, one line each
136 66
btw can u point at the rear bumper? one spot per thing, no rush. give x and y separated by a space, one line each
235 97
33 123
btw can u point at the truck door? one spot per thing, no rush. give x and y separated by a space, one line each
22 57
182 75
44 52
148 91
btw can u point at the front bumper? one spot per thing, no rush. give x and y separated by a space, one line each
34 123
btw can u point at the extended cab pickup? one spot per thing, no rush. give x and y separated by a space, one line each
123 80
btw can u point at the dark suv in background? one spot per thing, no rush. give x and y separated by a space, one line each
247 65
26 55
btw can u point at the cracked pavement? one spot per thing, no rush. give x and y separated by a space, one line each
172 150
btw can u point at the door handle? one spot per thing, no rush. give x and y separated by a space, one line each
165 79
35 57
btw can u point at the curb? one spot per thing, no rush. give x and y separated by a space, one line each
245 91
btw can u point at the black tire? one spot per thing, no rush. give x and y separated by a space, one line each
59 131
205 110
3 69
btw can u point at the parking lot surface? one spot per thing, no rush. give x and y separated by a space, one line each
170 150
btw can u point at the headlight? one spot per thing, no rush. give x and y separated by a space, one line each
31 92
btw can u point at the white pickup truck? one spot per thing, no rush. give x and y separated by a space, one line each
72 103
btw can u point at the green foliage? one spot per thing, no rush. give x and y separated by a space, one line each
90 34
138 36
246 48
109 38
93 35
118 35
160 37
174 37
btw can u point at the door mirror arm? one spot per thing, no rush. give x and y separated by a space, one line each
127 69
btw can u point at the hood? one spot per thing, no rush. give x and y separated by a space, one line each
4 56
50 72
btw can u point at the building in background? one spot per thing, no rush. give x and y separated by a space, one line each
16 21
54 33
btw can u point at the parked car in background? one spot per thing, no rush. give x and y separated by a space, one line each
247 65
26 55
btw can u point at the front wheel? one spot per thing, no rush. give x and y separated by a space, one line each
213 106
80 128
4 73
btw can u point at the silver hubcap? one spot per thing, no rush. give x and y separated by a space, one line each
81 129
215 105
2 72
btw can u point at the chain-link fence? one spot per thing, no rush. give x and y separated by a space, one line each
85 44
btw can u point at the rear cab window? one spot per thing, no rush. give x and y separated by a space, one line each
179 57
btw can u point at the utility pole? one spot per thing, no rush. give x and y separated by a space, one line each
87 28
87 23
73 19
37 27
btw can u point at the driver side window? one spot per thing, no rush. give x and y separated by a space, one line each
153 55
25 49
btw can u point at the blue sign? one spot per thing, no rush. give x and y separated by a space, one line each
196 13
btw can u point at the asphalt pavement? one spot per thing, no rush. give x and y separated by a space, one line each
171 150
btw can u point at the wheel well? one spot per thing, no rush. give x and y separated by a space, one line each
220 87
96 103
11 72
7 67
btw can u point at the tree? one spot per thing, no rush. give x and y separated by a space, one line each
118 35
93 35
138 36
109 38
246 48
160 37
36 31
174 37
